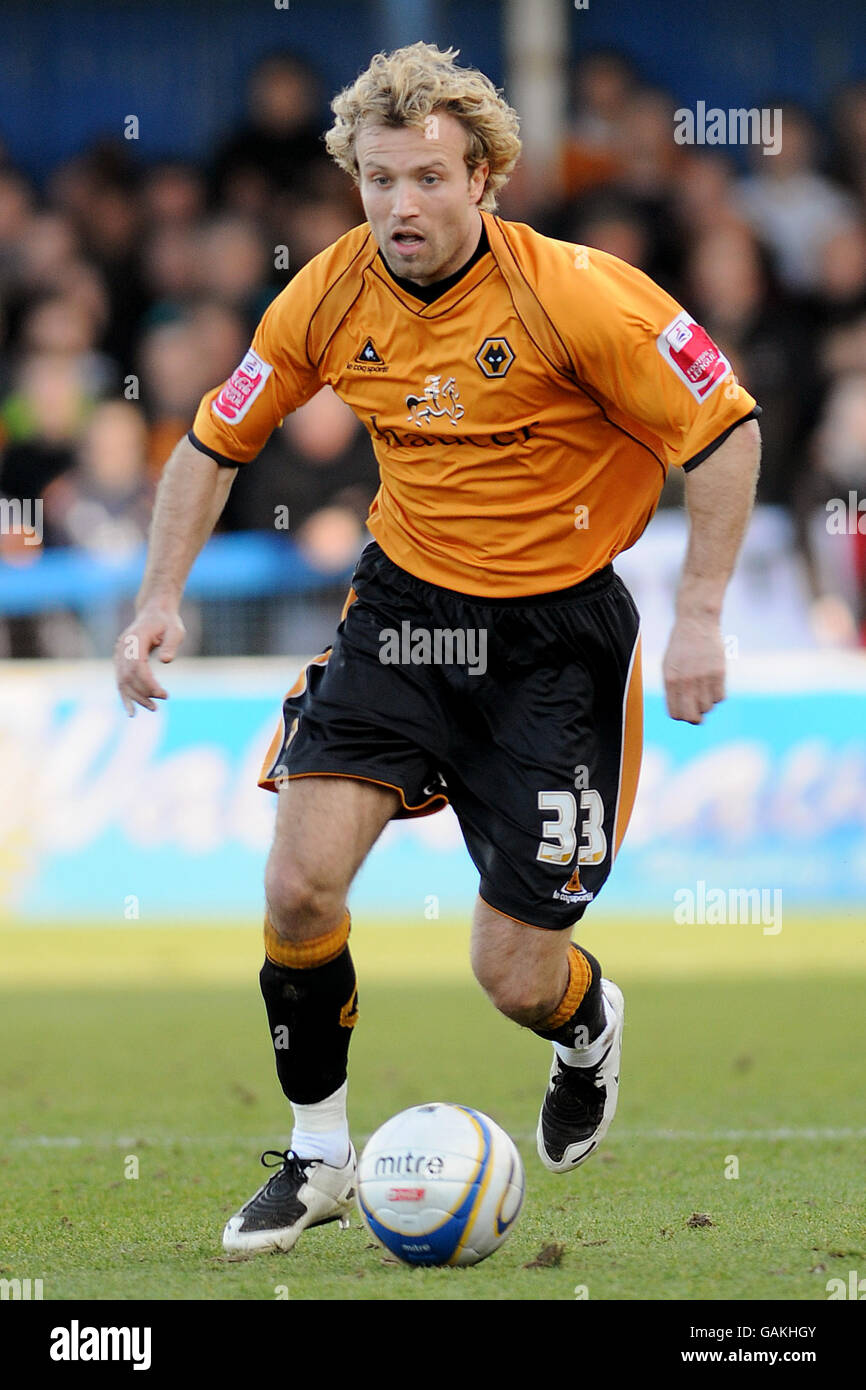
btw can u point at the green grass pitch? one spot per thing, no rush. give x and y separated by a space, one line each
742 1052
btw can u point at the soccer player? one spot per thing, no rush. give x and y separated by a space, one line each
525 399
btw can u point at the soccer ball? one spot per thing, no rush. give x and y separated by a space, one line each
440 1185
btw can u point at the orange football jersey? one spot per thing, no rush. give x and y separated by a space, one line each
523 422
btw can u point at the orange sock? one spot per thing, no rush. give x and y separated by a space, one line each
580 1016
311 997
579 981
306 955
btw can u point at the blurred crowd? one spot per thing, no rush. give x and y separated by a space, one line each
128 290
771 260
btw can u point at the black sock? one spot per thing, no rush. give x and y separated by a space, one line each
589 1016
311 1014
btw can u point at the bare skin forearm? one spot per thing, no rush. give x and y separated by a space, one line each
720 494
190 498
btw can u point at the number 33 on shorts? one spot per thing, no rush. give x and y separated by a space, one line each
559 837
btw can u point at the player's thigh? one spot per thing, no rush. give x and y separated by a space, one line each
544 794
325 827
522 968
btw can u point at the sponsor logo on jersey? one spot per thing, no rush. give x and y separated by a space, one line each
501 439
693 355
435 402
367 359
243 386
494 356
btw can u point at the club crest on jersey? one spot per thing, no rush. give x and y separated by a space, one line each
367 359
573 891
437 400
691 352
243 386
495 356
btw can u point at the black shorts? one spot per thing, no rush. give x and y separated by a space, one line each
525 714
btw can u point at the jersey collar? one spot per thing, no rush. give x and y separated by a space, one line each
467 281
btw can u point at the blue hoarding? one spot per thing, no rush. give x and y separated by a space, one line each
159 817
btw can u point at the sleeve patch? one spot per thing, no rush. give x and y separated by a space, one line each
243 386
690 351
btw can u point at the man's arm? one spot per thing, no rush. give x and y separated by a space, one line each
189 500
720 494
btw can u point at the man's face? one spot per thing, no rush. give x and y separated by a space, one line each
419 196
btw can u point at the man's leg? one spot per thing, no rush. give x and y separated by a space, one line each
542 980
537 977
325 826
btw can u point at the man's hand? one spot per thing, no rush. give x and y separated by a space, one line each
152 628
191 495
694 668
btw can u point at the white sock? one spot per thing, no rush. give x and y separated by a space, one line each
322 1129
594 1051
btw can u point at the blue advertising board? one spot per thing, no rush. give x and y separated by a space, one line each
159 817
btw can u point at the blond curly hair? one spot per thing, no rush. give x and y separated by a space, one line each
404 87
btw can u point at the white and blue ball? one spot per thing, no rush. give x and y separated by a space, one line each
440 1185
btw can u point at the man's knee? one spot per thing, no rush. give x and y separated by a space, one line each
301 904
516 994
522 969
524 1008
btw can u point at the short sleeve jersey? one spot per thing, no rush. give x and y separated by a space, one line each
523 422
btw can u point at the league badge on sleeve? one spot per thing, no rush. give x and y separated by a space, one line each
245 383
693 355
